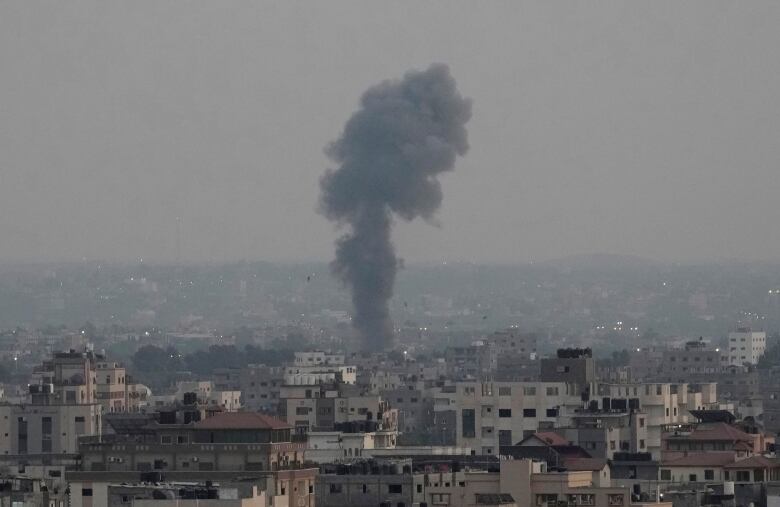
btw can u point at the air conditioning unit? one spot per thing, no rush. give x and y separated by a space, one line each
120 460
195 459
111 459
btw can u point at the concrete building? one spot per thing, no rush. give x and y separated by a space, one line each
240 447
31 430
318 358
746 346
319 374
324 407
410 482
260 386
697 358
663 403
182 495
492 414
573 366
337 446
606 433
86 377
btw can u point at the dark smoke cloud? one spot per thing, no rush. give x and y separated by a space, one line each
404 134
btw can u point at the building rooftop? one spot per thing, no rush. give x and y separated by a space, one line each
548 437
711 458
755 462
241 421
493 499
584 464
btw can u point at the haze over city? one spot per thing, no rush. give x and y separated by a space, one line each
196 132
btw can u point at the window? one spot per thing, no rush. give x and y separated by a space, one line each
468 422
611 445
505 391
301 410
641 443
614 499
86 491
80 425
529 412
504 412
547 499
552 391
743 476
365 488
334 489
692 478
22 435
552 412
666 475
709 475
588 499
641 422
529 391
504 437
166 439
395 489
46 434
419 488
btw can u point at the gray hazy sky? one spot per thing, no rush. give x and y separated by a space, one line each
649 128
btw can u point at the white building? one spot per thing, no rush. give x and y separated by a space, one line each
319 374
491 414
318 357
746 346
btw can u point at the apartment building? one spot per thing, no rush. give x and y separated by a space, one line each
46 429
325 407
461 483
492 414
696 358
604 433
260 386
746 346
663 403
231 447
87 377
574 366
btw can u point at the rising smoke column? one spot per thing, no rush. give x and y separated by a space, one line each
391 150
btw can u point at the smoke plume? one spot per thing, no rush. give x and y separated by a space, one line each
391 150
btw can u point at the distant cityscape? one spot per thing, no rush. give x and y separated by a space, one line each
597 381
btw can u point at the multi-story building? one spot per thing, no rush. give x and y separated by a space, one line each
319 374
46 429
697 358
462 483
494 414
746 346
87 377
606 433
260 386
231 447
324 407
663 403
337 446
574 366
318 358
505 355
